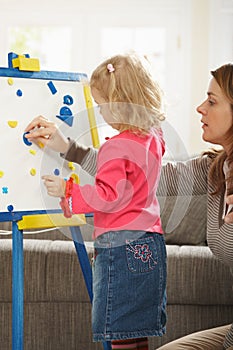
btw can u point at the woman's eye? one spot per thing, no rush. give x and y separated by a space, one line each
211 102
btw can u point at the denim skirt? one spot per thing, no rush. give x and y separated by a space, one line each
129 285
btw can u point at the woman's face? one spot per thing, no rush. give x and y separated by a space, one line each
216 115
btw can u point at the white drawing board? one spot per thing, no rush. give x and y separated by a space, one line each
25 95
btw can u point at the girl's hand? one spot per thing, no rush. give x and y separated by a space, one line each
56 186
43 131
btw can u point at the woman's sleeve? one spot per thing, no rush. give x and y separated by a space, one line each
228 343
82 155
184 178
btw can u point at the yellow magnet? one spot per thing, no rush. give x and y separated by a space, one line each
76 178
10 81
33 171
12 123
71 166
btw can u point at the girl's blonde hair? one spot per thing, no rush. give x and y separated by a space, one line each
224 77
134 98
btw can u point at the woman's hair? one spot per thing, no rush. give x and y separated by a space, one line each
224 77
134 98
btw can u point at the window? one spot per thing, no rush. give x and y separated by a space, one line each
139 40
52 45
153 44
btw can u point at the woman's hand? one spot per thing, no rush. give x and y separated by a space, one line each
229 217
56 186
43 131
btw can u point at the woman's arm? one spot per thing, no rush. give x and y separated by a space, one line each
85 156
184 178
228 343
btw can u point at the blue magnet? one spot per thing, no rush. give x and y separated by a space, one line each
25 140
10 208
4 190
19 93
65 111
68 100
66 119
52 87
56 172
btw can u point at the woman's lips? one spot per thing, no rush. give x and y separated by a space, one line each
204 124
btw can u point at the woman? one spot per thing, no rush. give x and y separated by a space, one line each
214 172
211 173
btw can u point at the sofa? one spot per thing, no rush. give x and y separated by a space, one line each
57 310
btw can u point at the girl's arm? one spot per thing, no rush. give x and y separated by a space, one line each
178 178
42 131
110 192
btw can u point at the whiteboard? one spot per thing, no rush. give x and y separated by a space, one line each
25 95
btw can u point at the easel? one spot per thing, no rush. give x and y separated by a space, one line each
38 220
29 220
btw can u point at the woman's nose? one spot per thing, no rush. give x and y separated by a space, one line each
200 109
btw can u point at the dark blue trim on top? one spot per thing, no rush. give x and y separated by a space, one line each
43 74
17 215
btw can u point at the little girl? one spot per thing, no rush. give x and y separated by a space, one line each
129 269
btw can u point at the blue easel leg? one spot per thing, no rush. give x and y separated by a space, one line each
85 266
83 258
17 288
107 345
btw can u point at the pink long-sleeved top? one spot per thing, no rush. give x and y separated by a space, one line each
124 194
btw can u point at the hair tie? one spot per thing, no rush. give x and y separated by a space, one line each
110 68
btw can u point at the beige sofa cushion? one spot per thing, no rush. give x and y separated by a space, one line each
184 219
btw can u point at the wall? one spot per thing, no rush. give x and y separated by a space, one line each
212 46
195 28
199 68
